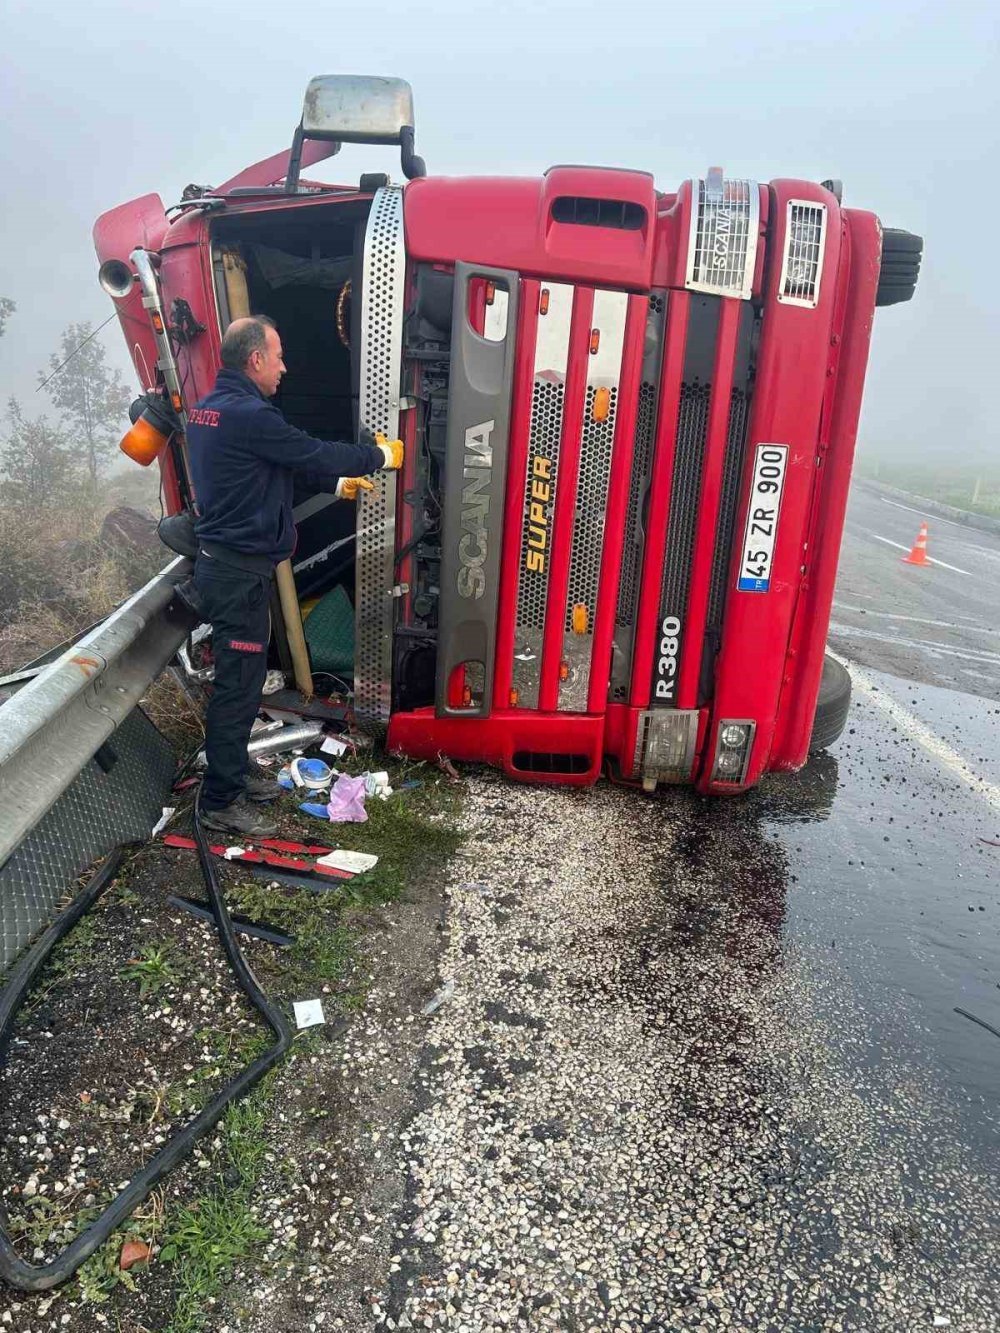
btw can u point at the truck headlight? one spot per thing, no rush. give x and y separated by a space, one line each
733 743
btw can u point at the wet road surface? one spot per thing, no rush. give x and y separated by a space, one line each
939 624
698 1064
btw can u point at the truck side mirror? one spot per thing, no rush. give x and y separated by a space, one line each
353 108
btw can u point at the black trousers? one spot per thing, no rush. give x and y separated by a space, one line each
236 604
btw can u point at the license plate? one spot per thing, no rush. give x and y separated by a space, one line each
762 517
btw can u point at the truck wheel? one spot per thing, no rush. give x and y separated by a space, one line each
901 254
831 706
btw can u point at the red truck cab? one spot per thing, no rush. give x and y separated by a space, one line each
629 418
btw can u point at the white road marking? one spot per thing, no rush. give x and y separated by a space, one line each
929 645
930 518
900 547
916 620
946 755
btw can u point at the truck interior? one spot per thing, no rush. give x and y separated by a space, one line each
302 267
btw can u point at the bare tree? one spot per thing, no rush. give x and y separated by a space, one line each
39 468
91 398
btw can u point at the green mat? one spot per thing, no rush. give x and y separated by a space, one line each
329 632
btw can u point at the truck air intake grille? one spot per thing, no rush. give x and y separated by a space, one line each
642 452
722 245
582 212
802 259
739 415
692 423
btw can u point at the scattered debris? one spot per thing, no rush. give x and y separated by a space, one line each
377 784
261 856
273 681
168 813
308 1013
334 745
316 810
133 1252
311 773
347 801
439 997
447 767
296 737
354 862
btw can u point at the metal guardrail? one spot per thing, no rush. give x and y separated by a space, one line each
54 725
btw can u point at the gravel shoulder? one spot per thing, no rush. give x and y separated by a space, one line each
641 1098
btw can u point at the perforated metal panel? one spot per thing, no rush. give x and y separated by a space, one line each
802 258
384 274
544 434
722 244
97 812
603 373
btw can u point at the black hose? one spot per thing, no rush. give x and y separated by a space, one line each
43 1277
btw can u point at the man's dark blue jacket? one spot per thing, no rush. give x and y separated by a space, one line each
243 454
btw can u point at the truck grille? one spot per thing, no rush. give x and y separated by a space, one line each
692 421
739 415
802 258
722 245
544 436
628 588
546 427
604 368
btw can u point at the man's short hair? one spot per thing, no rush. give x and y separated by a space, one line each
243 337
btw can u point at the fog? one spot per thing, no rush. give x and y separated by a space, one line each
105 101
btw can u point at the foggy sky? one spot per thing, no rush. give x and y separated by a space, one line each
105 101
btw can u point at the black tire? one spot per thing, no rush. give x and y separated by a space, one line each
901 255
832 705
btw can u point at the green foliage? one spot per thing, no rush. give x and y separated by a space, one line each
39 469
206 1240
90 396
152 969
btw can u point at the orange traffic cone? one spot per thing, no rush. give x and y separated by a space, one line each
918 555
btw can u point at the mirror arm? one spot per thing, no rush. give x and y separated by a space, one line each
413 166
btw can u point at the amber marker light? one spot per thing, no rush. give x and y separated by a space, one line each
580 619
601 408
153 423
543 302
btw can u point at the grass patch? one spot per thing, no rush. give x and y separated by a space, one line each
153 968
205 1240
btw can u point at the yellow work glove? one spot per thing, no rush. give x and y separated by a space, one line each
348 487
392 451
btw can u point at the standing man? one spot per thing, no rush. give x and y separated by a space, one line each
243 455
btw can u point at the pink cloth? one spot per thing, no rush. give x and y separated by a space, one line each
347 801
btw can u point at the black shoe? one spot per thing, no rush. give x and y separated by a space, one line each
260 789
240 817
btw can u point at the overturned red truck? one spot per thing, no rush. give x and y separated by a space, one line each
630 418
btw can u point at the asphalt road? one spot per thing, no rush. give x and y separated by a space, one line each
939 624
736 1064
